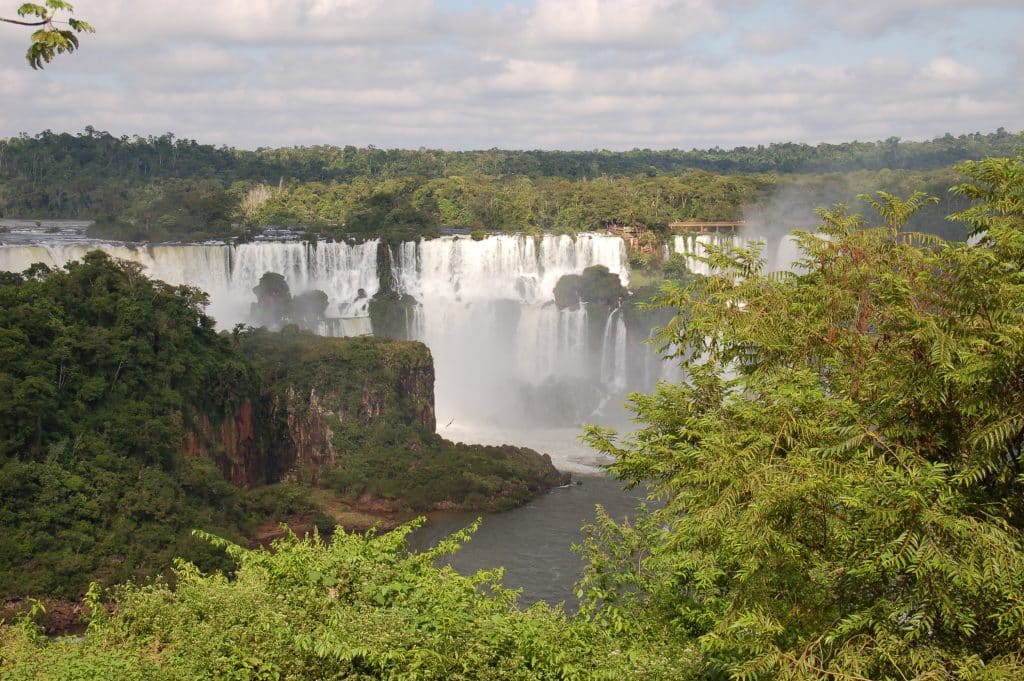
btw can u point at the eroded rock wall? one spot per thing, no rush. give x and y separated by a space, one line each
311 388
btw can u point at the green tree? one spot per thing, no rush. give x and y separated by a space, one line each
50 38
103 374
841 472
359 607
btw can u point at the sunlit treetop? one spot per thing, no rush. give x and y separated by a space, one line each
52 36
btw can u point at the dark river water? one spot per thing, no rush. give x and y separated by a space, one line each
534 542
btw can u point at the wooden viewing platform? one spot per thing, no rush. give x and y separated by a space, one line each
639 239
728 226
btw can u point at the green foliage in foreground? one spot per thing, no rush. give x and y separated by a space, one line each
361 607
842 470
47 41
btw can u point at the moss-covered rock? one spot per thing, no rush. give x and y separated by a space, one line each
391 315
595 285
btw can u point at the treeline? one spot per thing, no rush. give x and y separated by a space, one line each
415 206
48 156
159 188
411 207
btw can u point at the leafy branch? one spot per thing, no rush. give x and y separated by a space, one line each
50 39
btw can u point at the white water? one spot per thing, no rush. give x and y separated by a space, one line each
613 352
229 273
693 246
507 360
505 355
779 252
503 267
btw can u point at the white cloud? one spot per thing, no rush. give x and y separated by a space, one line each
873 18
947 69
293 22
775 40
649 24
530 76
554 73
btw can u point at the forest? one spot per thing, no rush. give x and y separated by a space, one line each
834 477
838 481
167 189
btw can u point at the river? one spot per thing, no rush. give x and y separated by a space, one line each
533 543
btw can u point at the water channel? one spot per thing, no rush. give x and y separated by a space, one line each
533 543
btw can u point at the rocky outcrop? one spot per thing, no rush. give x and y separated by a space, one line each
356 415
596 285
311 390
235 444
392 313
309 439
416 385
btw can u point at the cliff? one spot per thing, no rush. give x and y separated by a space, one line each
316 389
310 390
128 421
357 415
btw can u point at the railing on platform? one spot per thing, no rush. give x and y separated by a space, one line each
704 226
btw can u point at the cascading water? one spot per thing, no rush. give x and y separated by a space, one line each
692 246
779 252
613 352
504 352
346 273
507 358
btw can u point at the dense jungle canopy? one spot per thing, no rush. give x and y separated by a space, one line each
164 188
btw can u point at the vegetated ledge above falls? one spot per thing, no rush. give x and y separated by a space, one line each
356 416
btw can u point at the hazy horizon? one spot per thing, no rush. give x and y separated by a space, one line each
713 148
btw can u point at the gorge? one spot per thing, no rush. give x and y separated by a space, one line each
507 357
512 363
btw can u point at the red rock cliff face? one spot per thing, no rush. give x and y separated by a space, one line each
418 384
289 428
308 439
235 445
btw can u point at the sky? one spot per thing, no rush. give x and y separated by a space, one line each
526 74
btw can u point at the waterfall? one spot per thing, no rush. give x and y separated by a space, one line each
509 267
693 245
613 352
502 349
346 273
